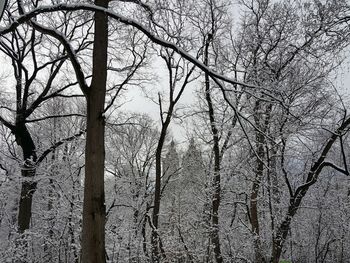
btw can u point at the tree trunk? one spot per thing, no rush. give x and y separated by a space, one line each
254 216
282 234
157 194
301 191
25 205
215 238
25 141
157 249
93 237
262 123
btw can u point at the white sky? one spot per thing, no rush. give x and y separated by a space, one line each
137 102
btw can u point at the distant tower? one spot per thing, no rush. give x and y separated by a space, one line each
193 184
171 167
192 166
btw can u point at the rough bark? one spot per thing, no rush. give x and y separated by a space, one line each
93 237
254 216
25 141
262 122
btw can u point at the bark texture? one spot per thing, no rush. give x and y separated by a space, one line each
254 195
93 238
25 141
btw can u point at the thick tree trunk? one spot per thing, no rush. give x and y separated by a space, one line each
254 216
25 206
25 141
262 122
93 237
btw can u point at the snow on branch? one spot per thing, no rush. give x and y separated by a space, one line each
70 51
57 144
127 21
320 163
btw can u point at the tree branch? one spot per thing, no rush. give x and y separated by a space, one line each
55 116
57 144
70 51
127 21
7 124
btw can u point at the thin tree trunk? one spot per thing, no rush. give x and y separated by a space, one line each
94 217
71 227
215 239
157 249
272 189
144 239
157 194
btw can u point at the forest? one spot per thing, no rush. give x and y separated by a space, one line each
179 131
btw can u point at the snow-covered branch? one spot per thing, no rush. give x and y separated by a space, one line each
127 21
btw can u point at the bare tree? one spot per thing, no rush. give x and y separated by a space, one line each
279 72
175 71
29 68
